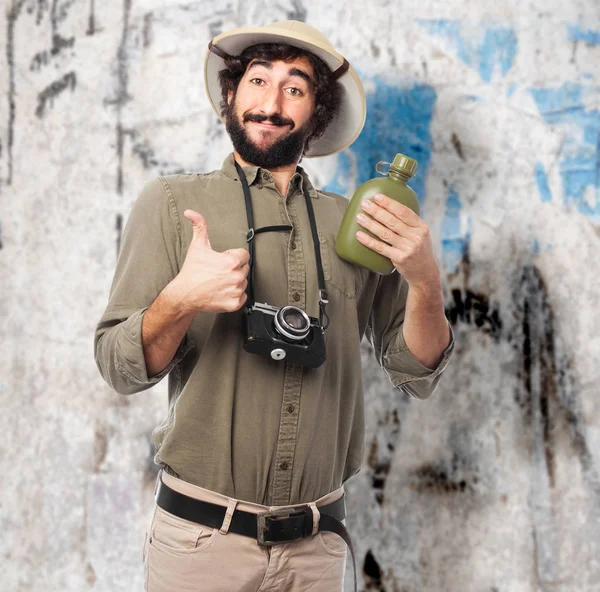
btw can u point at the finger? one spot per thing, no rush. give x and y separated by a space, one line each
199 227
385 217
376 245
399 210
242 256
385 234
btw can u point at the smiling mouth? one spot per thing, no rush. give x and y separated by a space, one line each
267 124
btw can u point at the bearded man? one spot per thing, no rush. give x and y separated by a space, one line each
229 283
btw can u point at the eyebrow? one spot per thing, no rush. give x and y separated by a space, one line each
293 71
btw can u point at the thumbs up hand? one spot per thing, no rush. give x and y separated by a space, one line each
210 281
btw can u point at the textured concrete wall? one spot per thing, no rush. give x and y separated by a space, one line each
492 485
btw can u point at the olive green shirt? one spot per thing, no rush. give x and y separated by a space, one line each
242 424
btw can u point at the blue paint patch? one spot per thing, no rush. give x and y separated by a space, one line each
398 120
494 47
454 244
536 247
499 47
577 33
579 158
511 90
542 182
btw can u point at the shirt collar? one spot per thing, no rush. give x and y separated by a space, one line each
255 174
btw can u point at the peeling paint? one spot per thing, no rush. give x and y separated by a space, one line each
541 179
487 47
455 232
579 159
578 33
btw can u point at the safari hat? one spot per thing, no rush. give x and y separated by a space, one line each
346 126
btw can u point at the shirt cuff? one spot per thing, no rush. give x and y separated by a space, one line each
403 367
130 359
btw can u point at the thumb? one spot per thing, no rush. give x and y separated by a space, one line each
199 227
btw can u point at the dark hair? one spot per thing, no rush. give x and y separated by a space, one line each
328 91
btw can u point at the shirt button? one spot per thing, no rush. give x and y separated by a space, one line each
293 245
266 176
283 466
296 296
290 409
259 186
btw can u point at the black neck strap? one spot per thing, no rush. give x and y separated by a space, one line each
252 232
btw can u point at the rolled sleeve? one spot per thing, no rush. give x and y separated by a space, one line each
384 331
131 373
149 259
408 374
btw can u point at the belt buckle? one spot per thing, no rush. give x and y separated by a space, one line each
263 523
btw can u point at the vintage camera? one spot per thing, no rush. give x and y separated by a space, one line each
285 333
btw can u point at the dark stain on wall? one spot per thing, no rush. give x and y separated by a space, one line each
456 475
100 446
59 43
474 308
42 58
57 15
380 458
549 393
298 13
372 573
11 19
121 97
91 20
147 29
119 229
42 6
60 11
457 146
53 90
215 27
142 149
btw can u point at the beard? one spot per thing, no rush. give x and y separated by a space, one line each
284 151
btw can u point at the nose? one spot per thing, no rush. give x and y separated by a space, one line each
271 104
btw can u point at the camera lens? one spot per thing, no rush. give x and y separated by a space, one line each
294 319
293 323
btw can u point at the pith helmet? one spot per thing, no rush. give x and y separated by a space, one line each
346 126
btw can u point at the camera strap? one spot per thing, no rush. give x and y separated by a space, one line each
252 232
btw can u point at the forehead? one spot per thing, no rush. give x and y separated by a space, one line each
283 68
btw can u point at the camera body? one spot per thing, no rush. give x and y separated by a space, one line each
284 333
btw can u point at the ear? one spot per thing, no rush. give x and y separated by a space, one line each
229 95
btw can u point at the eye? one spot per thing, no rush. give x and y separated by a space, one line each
296 92
257 81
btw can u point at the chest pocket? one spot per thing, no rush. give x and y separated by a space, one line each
339 274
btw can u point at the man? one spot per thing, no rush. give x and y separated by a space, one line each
247 435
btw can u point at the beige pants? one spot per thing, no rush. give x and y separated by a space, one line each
182 556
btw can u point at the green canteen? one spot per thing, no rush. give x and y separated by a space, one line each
393 184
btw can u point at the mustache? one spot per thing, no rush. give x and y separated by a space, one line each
274 119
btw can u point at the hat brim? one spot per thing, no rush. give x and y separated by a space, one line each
348 123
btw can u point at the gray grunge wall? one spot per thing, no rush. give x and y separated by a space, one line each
491 485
